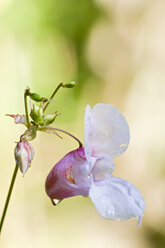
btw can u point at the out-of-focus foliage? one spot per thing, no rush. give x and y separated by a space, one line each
156 238
54 33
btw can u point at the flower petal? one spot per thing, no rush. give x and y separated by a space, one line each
106 131
60 182
117 199
103 168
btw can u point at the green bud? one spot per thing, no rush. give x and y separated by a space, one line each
48 119
69 85
37 114
36 97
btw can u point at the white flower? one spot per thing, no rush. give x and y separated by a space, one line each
88 170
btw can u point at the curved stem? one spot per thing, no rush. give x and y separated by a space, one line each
53 130
8 196
71 135
58 87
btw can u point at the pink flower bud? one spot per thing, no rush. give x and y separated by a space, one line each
24 154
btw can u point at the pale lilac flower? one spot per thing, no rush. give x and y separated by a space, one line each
88 170
24 154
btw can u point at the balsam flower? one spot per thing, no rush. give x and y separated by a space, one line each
88 170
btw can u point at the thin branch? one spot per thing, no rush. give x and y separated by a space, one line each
50 99
8 196
26 108
53 130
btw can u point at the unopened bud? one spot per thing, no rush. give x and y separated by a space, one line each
48 119
37 114
36 97
24 154
69 85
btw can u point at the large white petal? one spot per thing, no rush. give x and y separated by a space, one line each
117 199
106 131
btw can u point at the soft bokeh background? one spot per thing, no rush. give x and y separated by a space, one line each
115 49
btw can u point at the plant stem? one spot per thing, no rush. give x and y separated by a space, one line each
26 108
8 196
16 167
58 87
69 134
57 129
49 129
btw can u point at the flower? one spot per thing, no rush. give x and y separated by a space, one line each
19 119
88 170
24 154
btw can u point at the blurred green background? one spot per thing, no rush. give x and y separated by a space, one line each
115 50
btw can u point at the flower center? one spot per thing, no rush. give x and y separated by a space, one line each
69 175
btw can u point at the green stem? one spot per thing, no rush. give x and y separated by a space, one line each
8 196
58 87
16 167
26 108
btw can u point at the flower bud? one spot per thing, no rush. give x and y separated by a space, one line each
37 114
24 154
48 119
69 85
36 97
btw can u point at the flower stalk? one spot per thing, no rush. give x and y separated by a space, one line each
16 167
53 130
64 85
52 96
26 107
71 135
8 197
